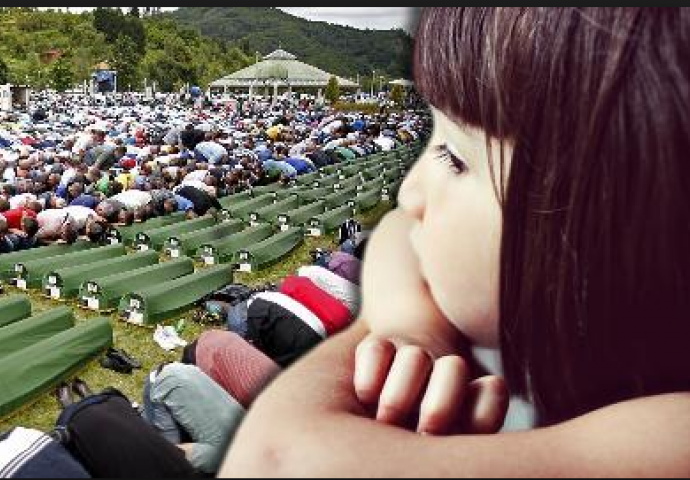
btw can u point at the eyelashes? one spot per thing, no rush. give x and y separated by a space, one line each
458 166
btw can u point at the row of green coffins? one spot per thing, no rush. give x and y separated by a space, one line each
186 239
38 352
159 302
61 276
32 269
242 206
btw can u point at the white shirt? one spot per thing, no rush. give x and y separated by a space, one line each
196 176
133 199
340 288
387 144
21 201
198 185
80 215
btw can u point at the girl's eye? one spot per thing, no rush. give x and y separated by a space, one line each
458 166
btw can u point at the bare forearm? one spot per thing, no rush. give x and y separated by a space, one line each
310 424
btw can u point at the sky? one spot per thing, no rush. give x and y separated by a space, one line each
379 18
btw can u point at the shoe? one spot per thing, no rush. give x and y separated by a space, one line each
64 396
81 389
125 358
116 365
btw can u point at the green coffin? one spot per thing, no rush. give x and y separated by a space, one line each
104 294
391 164
224 251
14 309
351 170
328 181
165 301
309 178
390 192
373 172
368 200
330 169
301 216
127 235
155 239
266 189
377 184
34 371
341 198
31 331
244 209
29 275
330 221
376 158
270 251
310 195
9 260
348 183
229 201
65 283
270 214
393 175
187 245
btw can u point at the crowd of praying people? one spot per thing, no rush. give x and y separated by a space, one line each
72 167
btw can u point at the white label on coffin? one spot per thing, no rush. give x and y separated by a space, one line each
210 261
92 288
52 280
135 304
143 248
114 241
284 228
93 303
136 318
315 232
246 268
21 285
174 253
55 293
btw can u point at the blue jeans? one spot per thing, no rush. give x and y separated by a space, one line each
238 319
159 416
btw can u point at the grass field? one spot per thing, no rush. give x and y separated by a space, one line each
139 343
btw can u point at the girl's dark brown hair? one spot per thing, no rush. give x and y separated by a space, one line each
595 102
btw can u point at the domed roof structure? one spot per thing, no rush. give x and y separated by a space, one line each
284 69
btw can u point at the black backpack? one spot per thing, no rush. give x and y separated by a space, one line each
236 294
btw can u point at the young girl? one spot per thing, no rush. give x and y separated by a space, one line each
548 221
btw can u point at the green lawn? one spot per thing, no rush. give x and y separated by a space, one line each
139 342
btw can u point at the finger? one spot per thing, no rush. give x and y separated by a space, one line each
445 395
403 390
488 402
374 360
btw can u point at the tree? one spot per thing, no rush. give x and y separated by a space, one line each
134 12
61 75
398 95
4 72
126 60
333 91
